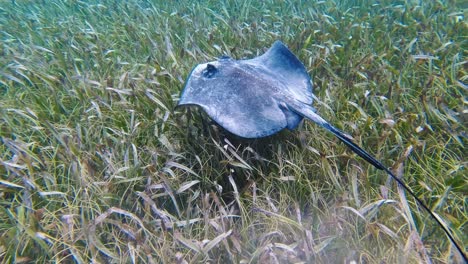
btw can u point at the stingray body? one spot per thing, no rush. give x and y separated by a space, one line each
251 98
261 96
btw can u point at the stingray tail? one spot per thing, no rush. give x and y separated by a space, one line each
308 112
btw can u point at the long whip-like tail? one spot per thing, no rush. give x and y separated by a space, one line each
308 112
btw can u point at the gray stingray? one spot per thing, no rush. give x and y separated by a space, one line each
261 96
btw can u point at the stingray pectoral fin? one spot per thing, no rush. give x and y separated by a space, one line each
308 112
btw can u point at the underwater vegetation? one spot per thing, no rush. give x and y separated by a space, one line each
96 165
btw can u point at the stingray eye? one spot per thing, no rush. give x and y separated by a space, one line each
210 71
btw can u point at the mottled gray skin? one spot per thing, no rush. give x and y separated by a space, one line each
250 98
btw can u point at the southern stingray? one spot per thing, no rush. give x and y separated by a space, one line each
261 96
